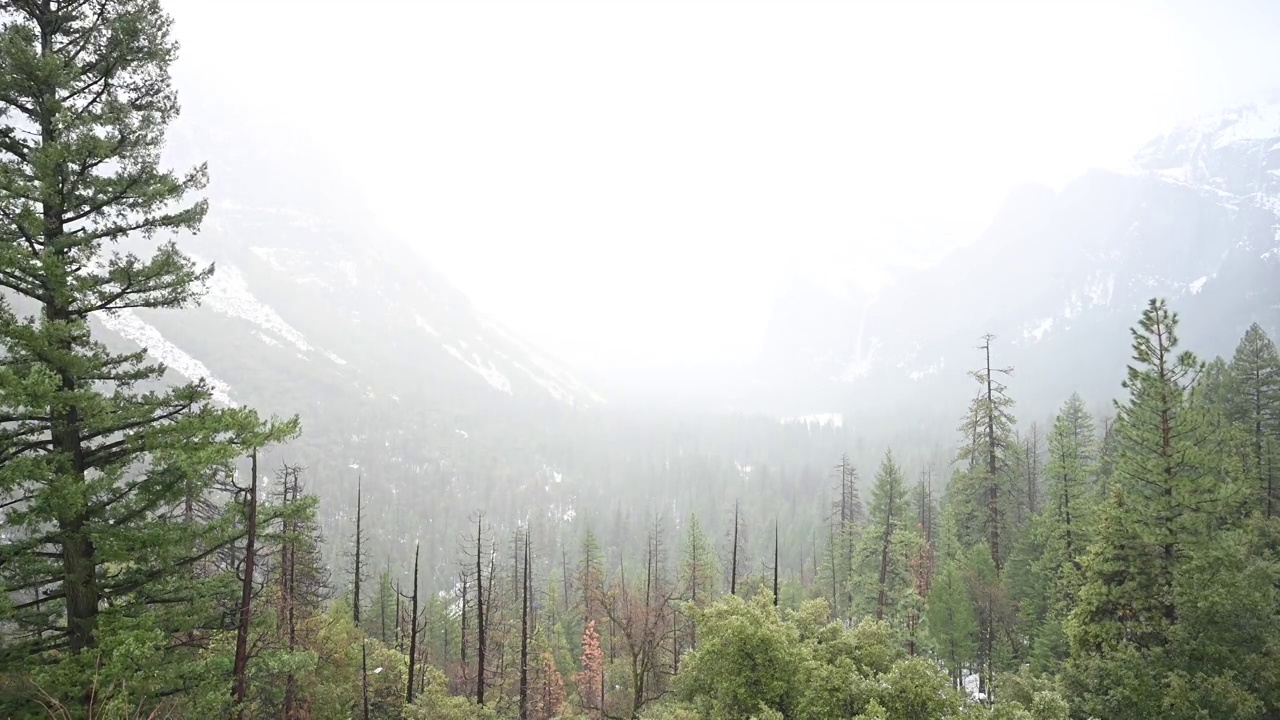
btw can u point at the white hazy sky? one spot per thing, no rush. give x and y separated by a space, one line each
630 184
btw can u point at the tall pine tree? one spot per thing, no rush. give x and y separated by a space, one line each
94 453
988 430
1254 403
1048 576
889 509
1169 580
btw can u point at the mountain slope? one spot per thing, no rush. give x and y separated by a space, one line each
396 377
1058 278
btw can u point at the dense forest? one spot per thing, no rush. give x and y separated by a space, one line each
154 565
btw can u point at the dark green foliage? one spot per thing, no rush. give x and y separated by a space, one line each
101 468
1254 404
952 621
1044 574
757 661
1175 595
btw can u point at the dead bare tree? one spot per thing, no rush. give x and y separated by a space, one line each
476 551
642 619
847 513
736 554
413 629
240 666
994 418
288 476
524 633
775 562
358 553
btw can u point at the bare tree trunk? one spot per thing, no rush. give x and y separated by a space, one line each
882 598
480 619
993 488
848 480
413 629
675 641
465 599
288 559
382 606
733 566
355 599
775 562
835 591
240 667
524 634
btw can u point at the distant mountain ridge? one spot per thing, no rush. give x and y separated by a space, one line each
1058 278
398 379
1195 218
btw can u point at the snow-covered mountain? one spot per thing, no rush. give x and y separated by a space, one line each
310 294
363 315
395 375
1058 278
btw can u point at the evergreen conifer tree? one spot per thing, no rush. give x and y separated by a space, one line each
1168 573
889 508
988 427
94 452
1170 457
952 622
1071 461
1254 403
697 576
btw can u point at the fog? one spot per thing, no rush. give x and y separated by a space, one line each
657 360
632 185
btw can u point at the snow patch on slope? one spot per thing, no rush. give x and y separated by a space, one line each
1037 331
1249 123
1197 285
924 372
1101 289
229 294
128 325
567 388
424 325
490 373
278 259
861 362
550 476
555 475
550 386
